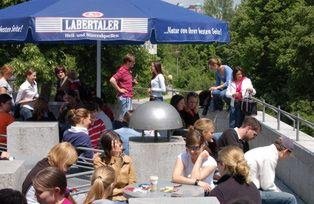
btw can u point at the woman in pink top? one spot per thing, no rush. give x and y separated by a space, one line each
50 186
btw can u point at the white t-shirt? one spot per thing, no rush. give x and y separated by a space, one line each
188 166
27 91
158 86
6 85
102 116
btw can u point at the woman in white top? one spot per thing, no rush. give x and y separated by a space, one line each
27 94
157 83
195 166
6 73
240 87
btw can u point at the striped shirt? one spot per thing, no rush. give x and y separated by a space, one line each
95 130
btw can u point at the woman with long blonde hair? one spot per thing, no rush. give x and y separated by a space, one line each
234 182
103 182
62 156
207 128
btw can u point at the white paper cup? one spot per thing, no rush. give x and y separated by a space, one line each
153 183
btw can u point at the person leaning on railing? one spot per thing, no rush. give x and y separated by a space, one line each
238 89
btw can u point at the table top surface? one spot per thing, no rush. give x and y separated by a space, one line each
164 189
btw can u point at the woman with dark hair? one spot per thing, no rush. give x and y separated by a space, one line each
157 83
27 94
190 113
62 83
50 186
178 102
41 111
10 196
122 164
240 87
234 182
195 166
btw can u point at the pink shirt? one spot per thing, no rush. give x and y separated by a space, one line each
66 201
124 80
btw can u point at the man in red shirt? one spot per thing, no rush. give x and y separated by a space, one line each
123 82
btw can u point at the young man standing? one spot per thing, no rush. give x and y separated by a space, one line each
223 79
263 162
123 82
240 136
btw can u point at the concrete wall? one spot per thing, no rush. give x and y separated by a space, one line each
12 174
31 141
155 158
296 171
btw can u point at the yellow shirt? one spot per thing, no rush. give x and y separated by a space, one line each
125 173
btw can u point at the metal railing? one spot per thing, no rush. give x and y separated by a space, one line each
296 119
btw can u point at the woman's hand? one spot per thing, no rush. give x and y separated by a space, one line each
116 148
250 90
205 186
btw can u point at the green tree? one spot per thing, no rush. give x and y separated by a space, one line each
273 41
222 9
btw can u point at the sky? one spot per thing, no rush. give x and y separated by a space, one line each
191 2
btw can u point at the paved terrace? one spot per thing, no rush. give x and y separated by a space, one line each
294 174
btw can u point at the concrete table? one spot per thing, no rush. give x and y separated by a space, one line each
167 200
181 191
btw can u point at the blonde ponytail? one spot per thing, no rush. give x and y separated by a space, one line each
102 181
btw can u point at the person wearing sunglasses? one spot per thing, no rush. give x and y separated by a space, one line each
195 166
240 136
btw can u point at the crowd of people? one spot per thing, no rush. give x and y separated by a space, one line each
224 166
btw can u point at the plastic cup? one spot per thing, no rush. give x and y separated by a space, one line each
153 183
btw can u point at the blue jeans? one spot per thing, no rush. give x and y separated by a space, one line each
25 113
272 197
218 97
236 116
125 104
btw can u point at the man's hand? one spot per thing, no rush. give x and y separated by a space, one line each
205 186
122 90
213 88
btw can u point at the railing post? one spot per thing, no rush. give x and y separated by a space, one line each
264 109
298 127
278 118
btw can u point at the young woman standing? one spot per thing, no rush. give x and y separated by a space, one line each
157 83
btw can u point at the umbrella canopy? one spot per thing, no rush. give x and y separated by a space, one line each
110 21
107 21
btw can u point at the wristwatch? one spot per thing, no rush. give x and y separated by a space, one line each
196 182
